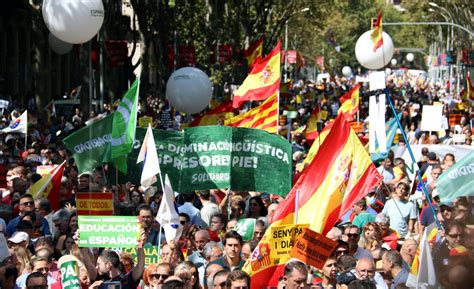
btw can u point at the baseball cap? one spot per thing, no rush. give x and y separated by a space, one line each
19 237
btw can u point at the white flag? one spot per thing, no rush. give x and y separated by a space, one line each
168 215
422 273
149 157
377 123
18 125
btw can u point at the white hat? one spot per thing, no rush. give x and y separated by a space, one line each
19 237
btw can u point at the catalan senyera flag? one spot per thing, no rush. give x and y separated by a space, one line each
263 81
350 102
376 35
254 52
422 271
49 185
339 175
223 111
264 116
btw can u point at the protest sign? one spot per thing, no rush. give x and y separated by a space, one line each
108 231
282 240
431 118
144 121
216 157
313 248
70 275
95 204
151 254
245 228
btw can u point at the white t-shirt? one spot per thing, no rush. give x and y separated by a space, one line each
400 212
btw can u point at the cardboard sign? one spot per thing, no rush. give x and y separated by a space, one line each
151 254
70 275
431 118
282 239
95 204
108 231
144 121
313 248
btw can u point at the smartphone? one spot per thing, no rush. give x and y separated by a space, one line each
111 285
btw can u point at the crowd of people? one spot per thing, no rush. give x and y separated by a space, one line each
377 239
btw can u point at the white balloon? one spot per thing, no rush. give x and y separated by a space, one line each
393 61
365 54
189 90
346 71
73 21
58 46
410 57
388 71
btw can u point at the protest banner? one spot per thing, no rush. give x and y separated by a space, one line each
70 275
151 254
95 204
108 231
282 239
217 157
245 228
313 248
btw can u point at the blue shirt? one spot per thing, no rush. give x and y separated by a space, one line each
11 228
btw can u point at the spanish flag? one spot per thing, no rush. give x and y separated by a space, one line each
254 52
314 118
49 184
468 92
262 117
223 111
350 103
340 174
376 35
263 81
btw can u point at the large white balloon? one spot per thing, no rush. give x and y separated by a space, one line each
73 21
393 61
58 46
189 90
365 54
346 71
410 57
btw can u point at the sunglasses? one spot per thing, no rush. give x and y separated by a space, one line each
158 276
341 252
28 203
222 284
182 222
454 236
352 236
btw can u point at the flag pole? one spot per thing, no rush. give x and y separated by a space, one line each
297 201
26 130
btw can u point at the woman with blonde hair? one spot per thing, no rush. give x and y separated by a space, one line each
372 230
23 260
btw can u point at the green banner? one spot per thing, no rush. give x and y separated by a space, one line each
108 231
151 254
70 275
91 144
458 180
245 228
210 157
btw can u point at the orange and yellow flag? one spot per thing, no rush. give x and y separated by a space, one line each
340 174
223 111
262 117
263 81
350 103
254 52
376 35
468 92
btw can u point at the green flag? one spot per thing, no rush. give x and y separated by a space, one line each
91 144
458 180
245 228
390 130
124 126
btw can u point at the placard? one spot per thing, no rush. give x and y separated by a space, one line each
313 248
151 254
431 118
282 239
108 231
245 228
95 204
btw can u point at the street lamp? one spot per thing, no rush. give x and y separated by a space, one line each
286 42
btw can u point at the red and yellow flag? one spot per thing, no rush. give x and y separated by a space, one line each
263 81
339 175
314 118
223 111
376 35
49 185
350 103
254 52
468 92
262 117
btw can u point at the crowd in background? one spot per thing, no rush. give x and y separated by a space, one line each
377 239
